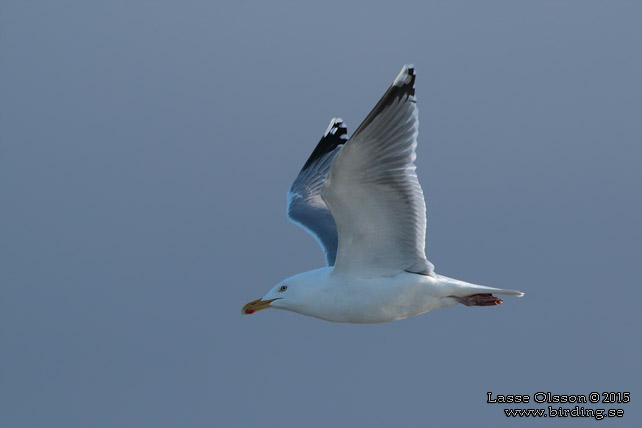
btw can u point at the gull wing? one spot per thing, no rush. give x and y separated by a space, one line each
305 206
373 192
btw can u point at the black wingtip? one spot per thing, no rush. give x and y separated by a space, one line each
336 128
402 89
404 84
333 137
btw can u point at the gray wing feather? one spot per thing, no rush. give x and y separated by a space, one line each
373 191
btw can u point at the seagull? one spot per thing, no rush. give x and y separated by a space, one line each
361 200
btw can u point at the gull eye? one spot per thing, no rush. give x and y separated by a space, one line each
283 288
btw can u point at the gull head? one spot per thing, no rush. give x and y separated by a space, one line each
277 297
297 293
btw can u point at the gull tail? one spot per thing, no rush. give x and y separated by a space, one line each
469 288
505 292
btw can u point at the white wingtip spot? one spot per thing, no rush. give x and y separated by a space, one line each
405 76
335 123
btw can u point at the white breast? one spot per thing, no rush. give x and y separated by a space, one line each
346 298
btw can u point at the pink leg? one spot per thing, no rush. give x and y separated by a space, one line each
486 299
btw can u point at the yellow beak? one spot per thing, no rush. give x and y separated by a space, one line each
257 305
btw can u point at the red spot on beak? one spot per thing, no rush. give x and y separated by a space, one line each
249 311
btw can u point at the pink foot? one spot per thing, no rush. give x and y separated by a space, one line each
486 299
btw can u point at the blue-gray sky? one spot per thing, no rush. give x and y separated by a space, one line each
146 148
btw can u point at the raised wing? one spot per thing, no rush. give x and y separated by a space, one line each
373 192
305 206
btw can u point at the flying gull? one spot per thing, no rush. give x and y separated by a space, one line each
361 200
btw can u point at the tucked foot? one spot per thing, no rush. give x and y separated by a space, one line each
485 299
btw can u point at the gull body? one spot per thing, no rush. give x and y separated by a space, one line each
361 200
356 299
